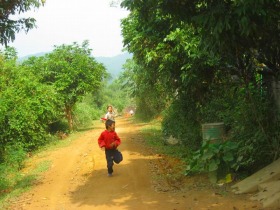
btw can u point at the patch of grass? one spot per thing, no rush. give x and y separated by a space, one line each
42 167
154 138
22 183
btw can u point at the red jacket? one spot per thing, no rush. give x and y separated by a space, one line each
108 137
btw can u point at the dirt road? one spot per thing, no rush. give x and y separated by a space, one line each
78 179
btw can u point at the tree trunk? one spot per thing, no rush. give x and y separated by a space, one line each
69 116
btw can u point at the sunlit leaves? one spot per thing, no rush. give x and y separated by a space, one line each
26 106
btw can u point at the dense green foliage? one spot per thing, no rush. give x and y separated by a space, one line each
72 71
27 106
214 156
208 61
36 94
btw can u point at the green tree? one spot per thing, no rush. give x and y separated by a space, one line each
167 55
236 31
8 25
72 71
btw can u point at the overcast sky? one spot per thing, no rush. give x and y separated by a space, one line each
67 21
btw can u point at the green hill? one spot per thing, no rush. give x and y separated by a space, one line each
114 64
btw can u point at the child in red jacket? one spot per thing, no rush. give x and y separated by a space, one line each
109 141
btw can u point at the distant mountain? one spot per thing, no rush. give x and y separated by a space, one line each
112 64
36 55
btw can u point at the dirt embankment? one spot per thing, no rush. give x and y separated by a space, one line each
78 179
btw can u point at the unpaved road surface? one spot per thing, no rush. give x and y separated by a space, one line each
77 179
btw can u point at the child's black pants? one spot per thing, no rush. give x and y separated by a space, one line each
112 155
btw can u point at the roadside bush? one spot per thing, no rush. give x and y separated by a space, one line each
13 157
26 107
145 111
180 122
4 179
255 126
251 120
28 120
210 157
84 114
219 106
60 125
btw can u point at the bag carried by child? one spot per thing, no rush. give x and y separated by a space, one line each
118 157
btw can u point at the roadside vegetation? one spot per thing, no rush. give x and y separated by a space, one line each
205 62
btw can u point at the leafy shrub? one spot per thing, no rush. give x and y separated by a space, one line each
255 126
180 122
146 111
214 157
14 156
219 106
26 107
60 125
84 114
4 179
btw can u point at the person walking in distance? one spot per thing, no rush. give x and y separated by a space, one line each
109 141
110 115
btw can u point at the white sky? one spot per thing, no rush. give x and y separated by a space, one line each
67 21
